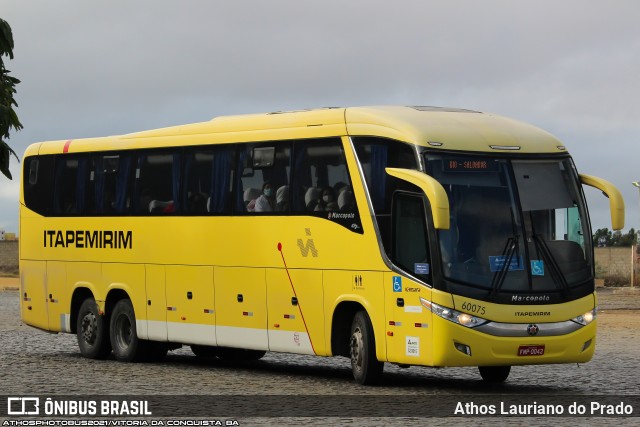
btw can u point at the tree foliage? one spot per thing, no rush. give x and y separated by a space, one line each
604 237
8 117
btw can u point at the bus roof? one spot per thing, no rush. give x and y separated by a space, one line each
434 127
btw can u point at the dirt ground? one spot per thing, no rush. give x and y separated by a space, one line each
9 283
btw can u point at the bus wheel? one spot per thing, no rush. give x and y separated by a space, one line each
364 364
127 347
494 374
239 354
91 330
204 351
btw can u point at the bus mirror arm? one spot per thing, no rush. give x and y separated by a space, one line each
434 191
616 202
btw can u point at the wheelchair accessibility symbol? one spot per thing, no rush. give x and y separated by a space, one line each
397 284
537 267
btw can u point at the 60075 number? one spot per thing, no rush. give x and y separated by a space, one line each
473 308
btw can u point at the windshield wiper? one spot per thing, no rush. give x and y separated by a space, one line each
510 248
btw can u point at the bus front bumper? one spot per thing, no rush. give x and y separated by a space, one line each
461 346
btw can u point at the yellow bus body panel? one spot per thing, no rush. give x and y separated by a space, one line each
409 326
487 350
190 301
33 294
296 311
507 313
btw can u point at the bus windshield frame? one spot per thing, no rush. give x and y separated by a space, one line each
519 229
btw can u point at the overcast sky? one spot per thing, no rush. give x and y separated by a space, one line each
109 67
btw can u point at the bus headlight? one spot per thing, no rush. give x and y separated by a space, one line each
588 317
452 315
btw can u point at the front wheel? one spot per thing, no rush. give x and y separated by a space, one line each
365 366
127 347
494 374
91 331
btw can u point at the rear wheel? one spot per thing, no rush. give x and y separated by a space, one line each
91 331
362 348
127 347
494 374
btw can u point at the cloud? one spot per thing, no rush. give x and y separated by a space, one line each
92 69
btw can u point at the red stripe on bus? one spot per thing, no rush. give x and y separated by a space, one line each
66 146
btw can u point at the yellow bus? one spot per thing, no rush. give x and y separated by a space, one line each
408 235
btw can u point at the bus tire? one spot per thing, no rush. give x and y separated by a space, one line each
239 354
366 368
494 374
127 347
91 331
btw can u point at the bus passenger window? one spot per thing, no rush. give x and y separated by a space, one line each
67 186
322 181
38 187
265 178
208 180
282 199
157 183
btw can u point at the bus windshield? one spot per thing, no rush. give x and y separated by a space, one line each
518 229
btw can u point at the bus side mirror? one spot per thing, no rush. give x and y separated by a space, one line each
434 191
616 202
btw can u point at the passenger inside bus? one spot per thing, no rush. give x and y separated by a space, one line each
282 199
266 202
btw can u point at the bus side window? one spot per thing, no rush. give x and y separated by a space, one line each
321 178
208 179
410 249
38 183
374 155
112 183
68 186
264 181
157 183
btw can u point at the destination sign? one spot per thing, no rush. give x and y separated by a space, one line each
470 165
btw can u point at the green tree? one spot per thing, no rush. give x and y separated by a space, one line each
602 237
8 117
628 239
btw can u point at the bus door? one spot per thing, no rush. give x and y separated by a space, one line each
296 316
190 305
408 324
241 308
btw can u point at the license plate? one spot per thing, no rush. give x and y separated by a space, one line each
531 350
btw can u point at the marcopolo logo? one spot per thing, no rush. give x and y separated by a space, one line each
23 406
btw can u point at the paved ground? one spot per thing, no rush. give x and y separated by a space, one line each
32 361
